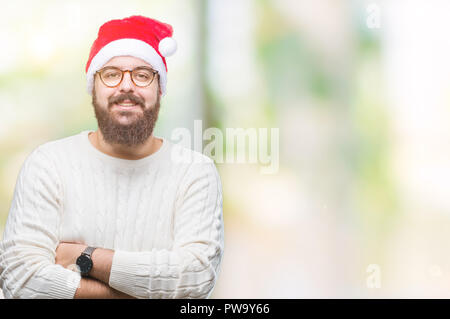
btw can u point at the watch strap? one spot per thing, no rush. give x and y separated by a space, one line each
88 251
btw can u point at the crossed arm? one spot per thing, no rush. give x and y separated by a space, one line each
96 285
33 261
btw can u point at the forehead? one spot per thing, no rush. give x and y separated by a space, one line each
127 62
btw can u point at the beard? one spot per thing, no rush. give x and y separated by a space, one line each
135 133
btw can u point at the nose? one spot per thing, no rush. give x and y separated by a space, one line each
127 84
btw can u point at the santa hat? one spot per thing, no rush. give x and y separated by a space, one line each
138 36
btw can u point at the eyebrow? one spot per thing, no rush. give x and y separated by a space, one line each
122 68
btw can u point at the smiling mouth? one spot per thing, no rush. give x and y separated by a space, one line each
126 105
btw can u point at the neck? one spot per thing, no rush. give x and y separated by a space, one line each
151 145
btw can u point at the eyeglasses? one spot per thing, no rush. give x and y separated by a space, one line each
141 76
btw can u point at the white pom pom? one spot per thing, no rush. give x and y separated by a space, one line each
167 47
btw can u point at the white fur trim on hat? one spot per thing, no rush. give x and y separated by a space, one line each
124 47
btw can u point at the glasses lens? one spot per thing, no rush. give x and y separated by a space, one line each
111 76
142 77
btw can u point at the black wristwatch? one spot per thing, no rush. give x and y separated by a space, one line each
84 262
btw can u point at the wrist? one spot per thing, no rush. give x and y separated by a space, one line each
102 261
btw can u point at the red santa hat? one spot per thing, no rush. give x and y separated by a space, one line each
138 36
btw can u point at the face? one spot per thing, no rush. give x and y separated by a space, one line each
126 114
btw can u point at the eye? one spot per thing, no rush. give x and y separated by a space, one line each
142 75
111 74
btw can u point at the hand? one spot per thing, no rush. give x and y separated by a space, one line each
67 253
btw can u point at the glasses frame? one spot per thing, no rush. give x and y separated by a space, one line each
99 72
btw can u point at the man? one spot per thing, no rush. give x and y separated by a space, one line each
115 213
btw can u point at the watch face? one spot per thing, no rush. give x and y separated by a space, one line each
85 264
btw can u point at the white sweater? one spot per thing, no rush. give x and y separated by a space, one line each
161 215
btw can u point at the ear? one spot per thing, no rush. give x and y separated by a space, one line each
159 89
95 81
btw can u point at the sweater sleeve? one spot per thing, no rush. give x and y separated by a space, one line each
191 267
27 251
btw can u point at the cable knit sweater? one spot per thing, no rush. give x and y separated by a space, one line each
162 215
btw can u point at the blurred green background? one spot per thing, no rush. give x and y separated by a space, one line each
361 108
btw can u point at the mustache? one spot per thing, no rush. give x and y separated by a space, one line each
126 96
